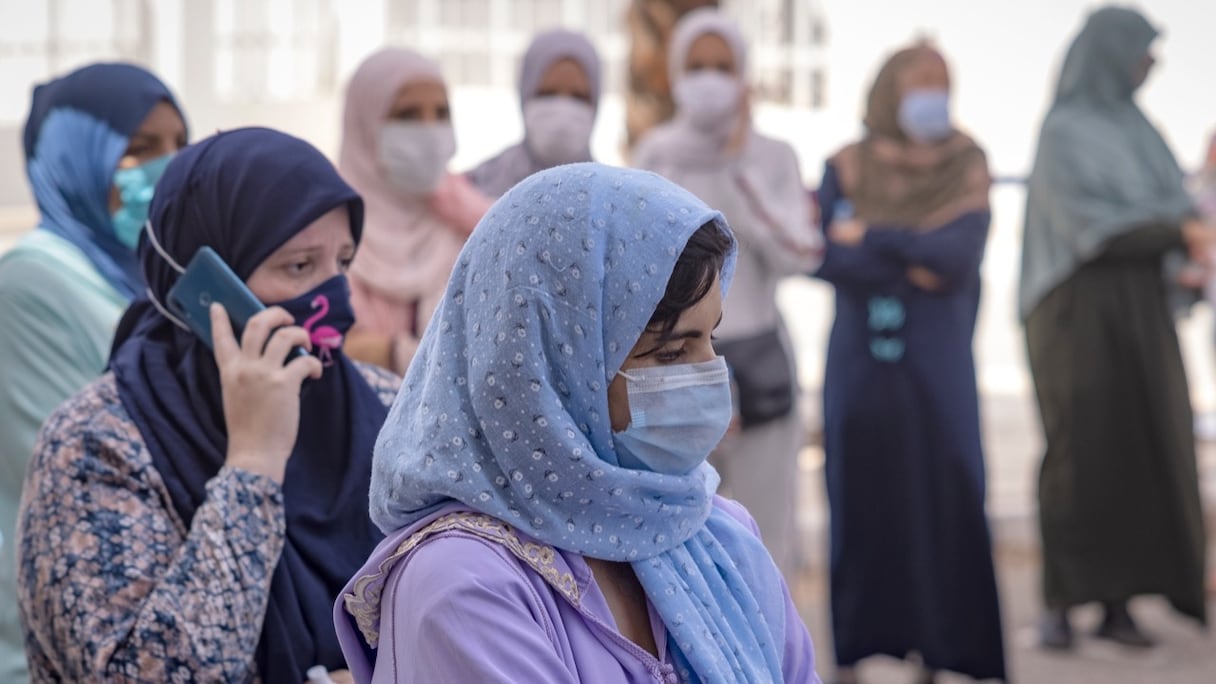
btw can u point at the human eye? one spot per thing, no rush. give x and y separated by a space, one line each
298 267
407 114
670 355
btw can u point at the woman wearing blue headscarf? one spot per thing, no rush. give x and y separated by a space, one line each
542 475
193 514
95 143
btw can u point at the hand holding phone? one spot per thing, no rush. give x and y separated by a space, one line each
207 280
261 392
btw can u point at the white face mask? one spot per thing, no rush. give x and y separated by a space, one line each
558 129
709 99
415 155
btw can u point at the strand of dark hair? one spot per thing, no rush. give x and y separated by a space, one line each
694 274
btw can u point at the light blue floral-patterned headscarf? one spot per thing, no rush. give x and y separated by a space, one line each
505 408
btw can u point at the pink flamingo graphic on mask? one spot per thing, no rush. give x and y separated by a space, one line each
326 338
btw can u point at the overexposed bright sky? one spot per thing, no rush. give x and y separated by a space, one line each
1006 55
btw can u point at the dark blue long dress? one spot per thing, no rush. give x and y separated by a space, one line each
911 559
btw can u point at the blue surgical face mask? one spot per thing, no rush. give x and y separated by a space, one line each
678 414
135 186
924 115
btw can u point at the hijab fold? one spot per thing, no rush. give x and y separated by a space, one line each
1102 169
245 193
896 182
497 175
506 410
78 128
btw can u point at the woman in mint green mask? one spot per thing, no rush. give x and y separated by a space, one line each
95 143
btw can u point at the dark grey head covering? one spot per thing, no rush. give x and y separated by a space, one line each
500 173
1102 169
1099 66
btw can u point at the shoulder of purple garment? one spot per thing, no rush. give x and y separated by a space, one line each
737 511
363 601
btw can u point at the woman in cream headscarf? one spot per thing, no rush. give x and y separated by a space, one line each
397 140
559 91
711 149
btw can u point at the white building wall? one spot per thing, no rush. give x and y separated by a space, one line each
283 63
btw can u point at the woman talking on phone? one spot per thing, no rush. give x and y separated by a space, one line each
194 513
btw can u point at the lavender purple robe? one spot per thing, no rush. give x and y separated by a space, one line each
461 597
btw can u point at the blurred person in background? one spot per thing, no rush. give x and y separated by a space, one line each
191 515
1106 209
906 214
711 149
559 91
1202 187
95 143
397 140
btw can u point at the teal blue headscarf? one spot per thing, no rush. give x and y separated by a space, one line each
505 408
78 128
1102 169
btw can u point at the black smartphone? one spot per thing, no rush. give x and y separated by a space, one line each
206 280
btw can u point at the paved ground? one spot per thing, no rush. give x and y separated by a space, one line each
1186 655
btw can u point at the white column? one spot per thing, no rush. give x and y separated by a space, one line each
574 13
501 45
362 28
198 57
800 91
429 40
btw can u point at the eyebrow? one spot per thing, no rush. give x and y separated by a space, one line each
302 249
688 334
311 250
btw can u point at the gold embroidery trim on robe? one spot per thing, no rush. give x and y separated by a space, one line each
363 602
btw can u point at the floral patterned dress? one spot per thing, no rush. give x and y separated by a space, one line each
110 578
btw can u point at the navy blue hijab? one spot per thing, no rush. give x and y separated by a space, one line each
244 193
78 129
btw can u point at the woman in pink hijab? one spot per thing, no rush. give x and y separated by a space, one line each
397 141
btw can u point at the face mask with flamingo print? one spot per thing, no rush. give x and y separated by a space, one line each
327 314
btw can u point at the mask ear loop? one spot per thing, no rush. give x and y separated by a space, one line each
161 250
172 264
